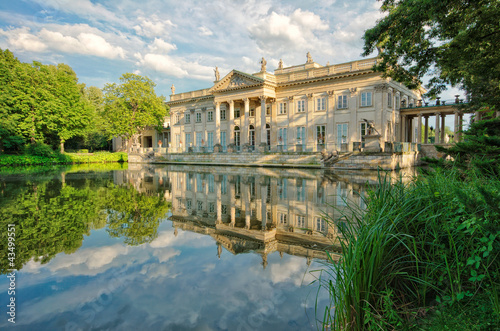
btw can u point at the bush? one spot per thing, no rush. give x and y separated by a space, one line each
83 151
39 149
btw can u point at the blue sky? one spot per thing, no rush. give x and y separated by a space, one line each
180 42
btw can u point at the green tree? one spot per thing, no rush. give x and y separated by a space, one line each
456 42
133 106
97 135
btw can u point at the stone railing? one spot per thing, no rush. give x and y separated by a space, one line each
300 73
191 94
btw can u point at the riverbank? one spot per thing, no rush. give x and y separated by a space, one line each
424 252
57 158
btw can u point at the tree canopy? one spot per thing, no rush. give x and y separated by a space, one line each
39 103
133 105
455 41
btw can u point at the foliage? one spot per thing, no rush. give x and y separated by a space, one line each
480 147
435 240
57 158
52 214
39 103
454 41
133 105
39 149
134 215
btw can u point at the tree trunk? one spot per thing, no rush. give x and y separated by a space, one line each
62 146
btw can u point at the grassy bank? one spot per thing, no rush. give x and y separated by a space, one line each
425 253
66 158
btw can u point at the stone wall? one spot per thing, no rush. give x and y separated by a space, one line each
243 159
385 161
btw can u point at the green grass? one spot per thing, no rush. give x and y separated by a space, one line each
66 158
433 242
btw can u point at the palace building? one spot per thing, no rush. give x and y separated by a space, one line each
303 108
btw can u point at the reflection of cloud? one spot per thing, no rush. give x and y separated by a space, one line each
167 238
164 255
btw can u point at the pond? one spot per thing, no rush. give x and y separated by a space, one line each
170 247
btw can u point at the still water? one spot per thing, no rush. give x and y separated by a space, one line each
170 247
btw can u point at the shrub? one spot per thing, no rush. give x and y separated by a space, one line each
39 149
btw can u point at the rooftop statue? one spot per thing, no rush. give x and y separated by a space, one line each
309 58
173 89
263 63
280 64
217 75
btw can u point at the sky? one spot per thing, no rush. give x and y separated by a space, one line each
181 42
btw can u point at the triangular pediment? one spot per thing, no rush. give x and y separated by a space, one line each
236 80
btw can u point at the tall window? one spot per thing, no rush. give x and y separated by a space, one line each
282 136
283 218
301 221
199 138
301 135
251 135
320 134
199 183
177 140
301 190
236 112
366 99
177 118
342 102
282 108
223 140
188 139
211 183
341 134
223 185
362 131
237 136
210 116
320 104
398 104
268 134
187 118
282 188
268 110
210 141
223 114
389 99
198 117
320 224
301 106
252 112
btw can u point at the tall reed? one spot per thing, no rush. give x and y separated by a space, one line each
435 239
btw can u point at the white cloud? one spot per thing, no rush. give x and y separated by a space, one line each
204 31
277 33
160 45
174 66
87 43
152 27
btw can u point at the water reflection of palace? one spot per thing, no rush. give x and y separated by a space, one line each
254 209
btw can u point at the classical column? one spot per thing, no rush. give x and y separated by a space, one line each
404 123
443 116
330 121
456 127
426 130
232 202
309 138
437 131
231 121
263 197
219 201
263 138
246 197
217 123
419 129
460 125
245 126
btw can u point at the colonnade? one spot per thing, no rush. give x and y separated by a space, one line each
407 130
